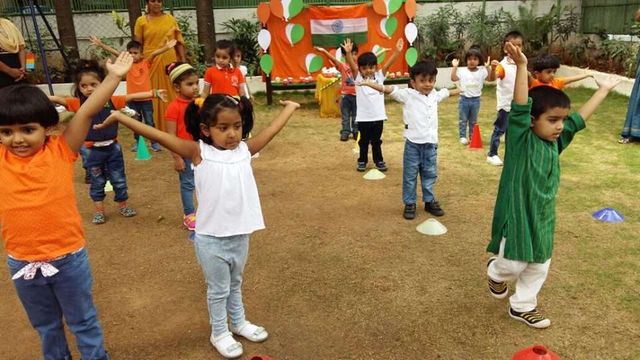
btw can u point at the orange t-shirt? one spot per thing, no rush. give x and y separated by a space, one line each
138 79
224 81
555 83
38 212
73 103
175 113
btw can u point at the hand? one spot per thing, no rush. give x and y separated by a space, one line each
320 49
178 164
515 53
121 65
494 63
95 41
607 83
289 103
399 45
113 117
162 95
455 62
489 62
347 45
171 43
16 74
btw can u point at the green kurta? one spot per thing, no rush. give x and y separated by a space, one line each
525 207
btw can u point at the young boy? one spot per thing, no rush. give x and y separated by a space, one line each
348 107
420 116
138 80
544 73
540 128
370 103
506 75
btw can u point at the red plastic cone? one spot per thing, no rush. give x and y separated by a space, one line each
536 352
476 139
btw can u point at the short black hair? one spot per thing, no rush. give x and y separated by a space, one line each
511 35
474 50
546 61
84 67
354 49
226 45
133 44
23 104
423 67
367 59
544 98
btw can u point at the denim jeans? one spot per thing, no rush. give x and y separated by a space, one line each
222 260
187 186
145 109
468 108
370 133
499 128
348 110
106 163
66 294
419 159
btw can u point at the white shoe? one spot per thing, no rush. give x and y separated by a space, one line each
464 141
227 346
494 160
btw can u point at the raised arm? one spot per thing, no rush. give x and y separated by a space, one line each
491 66
394 55
169 45
98 43
454 70
570 79
604 86
521 91
332 58
77 129
259 141
347 45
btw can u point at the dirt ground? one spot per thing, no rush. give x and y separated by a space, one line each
338 273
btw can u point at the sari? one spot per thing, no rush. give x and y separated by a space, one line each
631 127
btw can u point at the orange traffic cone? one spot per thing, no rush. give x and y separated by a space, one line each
536 352
476 139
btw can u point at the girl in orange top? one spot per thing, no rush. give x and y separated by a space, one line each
39 218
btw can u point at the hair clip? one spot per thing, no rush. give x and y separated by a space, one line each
199 101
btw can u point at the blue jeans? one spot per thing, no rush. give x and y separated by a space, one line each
468 108
145 109
187 186
348 110
499 128
106 163
66 294
222 261
419 159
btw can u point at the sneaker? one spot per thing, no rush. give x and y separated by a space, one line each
532 318
494 160
433 208
498 289
409 211
464 141
127 212
99 218
189 221
344 136
155 147
134 147
380 165
362 166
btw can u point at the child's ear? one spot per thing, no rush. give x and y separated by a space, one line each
204 129
532 120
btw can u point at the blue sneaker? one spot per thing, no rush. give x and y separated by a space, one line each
155 147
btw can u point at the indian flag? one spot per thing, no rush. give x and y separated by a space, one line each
331 26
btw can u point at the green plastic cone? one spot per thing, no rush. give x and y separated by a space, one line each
143 152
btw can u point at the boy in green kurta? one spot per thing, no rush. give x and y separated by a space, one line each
540 127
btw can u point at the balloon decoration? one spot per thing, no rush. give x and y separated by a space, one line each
266 63
339 55
388 26
380 52
264 39
411 33
264 11
294 33
286 9
411 56
313 62
386 7
410 8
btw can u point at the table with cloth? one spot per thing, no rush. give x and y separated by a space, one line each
328 95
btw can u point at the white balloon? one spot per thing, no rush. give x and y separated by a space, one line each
339 54
285 9
383 24
264 39
307 60
411 32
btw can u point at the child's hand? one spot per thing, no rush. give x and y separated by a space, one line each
162 95
347 45
489 62
515 53
289 103
121 65
171 43
495 63
607 83
178 164
95 41
455 62
399 45
109 120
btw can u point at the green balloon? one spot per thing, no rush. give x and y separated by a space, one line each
295 7
315 64
391 25
411 56
381 58
297 33
266 63
394 5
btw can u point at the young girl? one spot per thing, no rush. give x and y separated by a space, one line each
41 225
224 78
228 203
102 154
185 82
237 63
471 82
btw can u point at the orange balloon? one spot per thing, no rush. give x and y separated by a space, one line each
379 7
276 8
410 8
263 12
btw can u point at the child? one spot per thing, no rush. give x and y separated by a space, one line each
420 116
102 153
237 63
138 80
370 103
506 76
540 128
229 206
223 78
185 82
41 225
544 73
471 82
348 107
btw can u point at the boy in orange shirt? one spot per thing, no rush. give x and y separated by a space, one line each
544 73
224 78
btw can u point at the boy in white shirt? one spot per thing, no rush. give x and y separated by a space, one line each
371 114
420 116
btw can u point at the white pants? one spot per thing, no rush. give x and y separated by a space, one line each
529 278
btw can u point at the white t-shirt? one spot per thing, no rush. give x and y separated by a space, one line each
228 201
506 85
370 102
471 82
420 113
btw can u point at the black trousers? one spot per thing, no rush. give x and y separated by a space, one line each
370 133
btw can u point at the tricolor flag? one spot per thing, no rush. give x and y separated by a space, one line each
331 25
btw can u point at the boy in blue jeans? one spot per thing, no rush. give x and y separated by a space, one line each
420 116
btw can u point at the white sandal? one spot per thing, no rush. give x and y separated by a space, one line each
251 332
227 346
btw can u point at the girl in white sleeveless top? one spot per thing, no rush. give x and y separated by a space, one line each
228 203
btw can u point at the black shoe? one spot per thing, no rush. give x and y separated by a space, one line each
532 318
409 211
344 137
434 208
380 165
355 136
362 166
498 289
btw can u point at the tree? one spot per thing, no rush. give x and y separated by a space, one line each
66 28
206 27
133 6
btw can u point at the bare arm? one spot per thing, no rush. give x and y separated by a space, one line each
347 45
454 92
491 69
178 163
161 50
570 79
22 54
521 92
374 85
259 141
604 86
180 52
60 100
454 70
97 42
332 58
159 93
394 55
